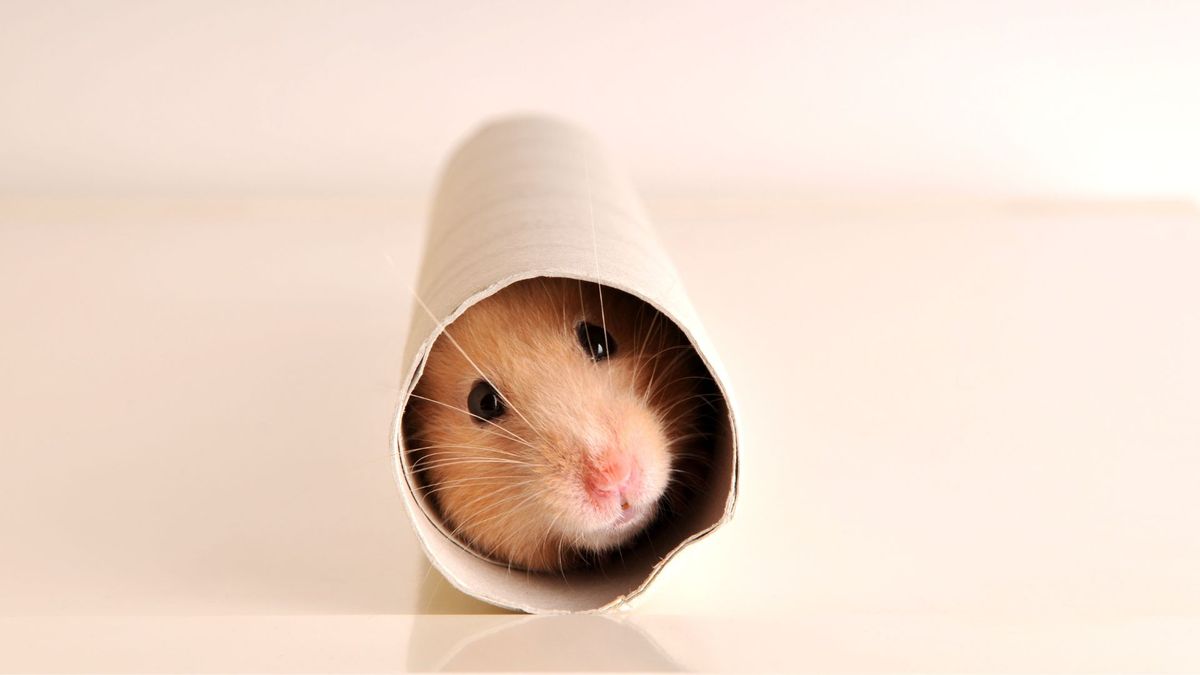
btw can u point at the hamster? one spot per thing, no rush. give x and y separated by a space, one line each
556 421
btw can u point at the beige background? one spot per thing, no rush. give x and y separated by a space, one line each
1075 98
949 257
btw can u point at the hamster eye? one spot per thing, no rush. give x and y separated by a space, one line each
597 342
483 402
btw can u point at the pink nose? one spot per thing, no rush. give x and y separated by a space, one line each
616 474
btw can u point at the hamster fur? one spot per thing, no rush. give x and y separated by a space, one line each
556 421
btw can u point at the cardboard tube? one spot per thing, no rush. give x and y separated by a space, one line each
535 197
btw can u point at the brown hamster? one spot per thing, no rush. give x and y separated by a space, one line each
553 423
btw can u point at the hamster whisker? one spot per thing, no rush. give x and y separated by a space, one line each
550 296
466 506
688 480
684 443
481 476
516 534
457 453
432 493
679 452
478 466
450 449
673 419
559 546
683 470
505 513
496 478
704 400
513 435
677 496
439 487
677 476
446 332
679 418
474 519
637 368
661 340
464 447
650 390
434 459
680 471
419 464
587 181
662 351
489 432
684 352
704 378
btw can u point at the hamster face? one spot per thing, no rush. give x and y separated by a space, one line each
548 431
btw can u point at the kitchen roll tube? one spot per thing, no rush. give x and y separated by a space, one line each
536 197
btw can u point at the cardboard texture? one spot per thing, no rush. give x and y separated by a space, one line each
529 197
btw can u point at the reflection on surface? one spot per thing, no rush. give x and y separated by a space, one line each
814 643
435 595
486 638
570 643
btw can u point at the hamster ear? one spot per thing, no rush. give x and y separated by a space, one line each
597 343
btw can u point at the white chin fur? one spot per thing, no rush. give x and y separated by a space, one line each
613 536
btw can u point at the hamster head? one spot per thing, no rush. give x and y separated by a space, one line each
552 424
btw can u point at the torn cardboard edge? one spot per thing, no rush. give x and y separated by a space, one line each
535 197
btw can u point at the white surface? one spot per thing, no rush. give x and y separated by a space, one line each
873 643
981 417
1084 98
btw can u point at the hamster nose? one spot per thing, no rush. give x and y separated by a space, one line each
615 475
